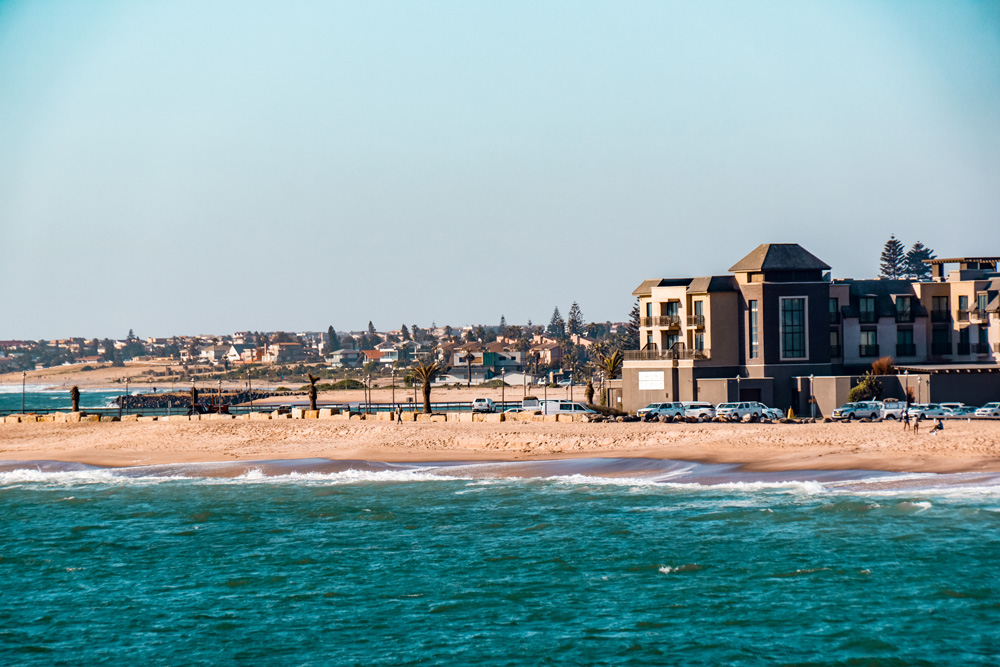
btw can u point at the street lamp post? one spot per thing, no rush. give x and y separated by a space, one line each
737 388
918 389
126 391
24 375
220 396
812 398
249 390
393 387
503 386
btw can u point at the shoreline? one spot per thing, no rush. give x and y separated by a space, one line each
961 447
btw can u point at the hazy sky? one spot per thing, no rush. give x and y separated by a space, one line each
204 167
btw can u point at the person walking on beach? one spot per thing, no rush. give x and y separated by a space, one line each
399 414
906 419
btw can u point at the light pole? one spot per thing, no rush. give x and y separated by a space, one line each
249 390
24 375
737 388
918 389
812 398
126 392
503 386
393 387
219 406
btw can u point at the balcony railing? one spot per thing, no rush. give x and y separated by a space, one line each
662 321
963 315
835 318
940 316
867 317
904 315
964 348
978 315
906 350
836 351
940 348
696 321
980 348
868 350
660 355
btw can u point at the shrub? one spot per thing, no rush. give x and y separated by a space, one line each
348 383
495 384
868 388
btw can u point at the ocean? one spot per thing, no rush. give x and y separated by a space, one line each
587 562
36 398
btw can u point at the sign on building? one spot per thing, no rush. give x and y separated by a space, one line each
650 380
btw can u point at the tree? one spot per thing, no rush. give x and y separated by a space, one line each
630 340
371 328
312 391
884 366
424 371
574 323
74 395
334 342
480 333
915 267
405 333
893 261
867 389
557 326
611 364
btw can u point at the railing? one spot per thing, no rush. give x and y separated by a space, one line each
661 355
940 348
662 321
835 318
980 348
964 348
906 349
696 321
940 316
963 315
867 317
836 351
904 315
868 350
978 315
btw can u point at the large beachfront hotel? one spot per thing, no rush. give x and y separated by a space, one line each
779 330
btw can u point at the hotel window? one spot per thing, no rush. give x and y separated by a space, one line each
649 341
699 341
835 350
963 302
754 340
866 309
903 309
793 328
984 339
699 308
834 311
649 309
670 308
939 303
981 303
869 343
672 339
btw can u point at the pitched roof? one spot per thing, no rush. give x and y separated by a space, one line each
712 284
645 288
779 257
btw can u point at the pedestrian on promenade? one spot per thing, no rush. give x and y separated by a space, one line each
399 414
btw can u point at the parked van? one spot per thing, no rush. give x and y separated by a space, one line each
556 407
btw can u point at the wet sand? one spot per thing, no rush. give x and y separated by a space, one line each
964 446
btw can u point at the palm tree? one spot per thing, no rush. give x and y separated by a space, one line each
312 391
74 395
611 364
424 371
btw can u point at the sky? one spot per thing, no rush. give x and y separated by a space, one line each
180 167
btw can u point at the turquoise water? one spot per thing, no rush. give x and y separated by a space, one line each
611 562
37 399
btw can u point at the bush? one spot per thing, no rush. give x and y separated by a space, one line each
494 384
883 366
867 389
348 383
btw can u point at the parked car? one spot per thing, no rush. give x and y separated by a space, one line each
893 409
653 410
737 411
859 410
484 405
701 411
989 410
952 406
927 410
565 382
565 407
963 411
773 413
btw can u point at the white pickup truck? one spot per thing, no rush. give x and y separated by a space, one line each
556 407
484 405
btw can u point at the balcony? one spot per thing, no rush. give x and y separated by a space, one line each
867 317
836 352
669 321
940 316
868 350
978 315
939 349
666 355
697 321
963 315
904 316
964 348
980 348
906 350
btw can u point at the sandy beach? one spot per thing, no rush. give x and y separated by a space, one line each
962 446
